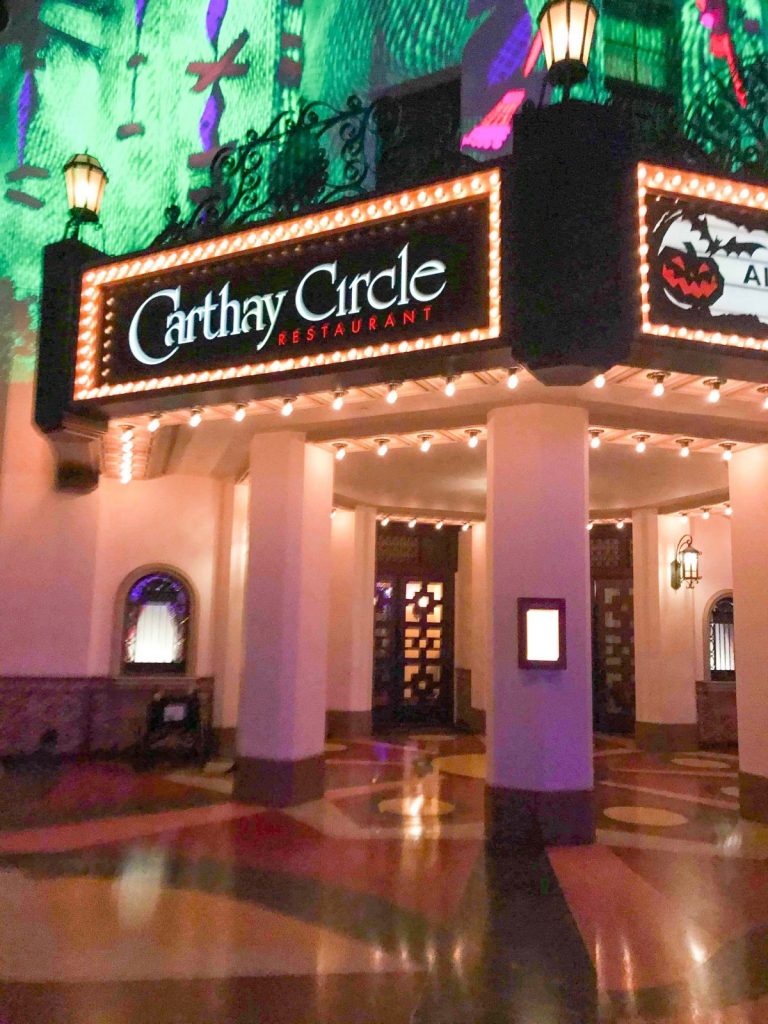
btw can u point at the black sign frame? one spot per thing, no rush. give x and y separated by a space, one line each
406 232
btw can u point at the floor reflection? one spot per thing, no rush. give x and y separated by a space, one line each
154 897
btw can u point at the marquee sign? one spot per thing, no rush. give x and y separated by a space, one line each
704 258
405 272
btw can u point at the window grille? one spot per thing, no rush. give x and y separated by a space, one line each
722 662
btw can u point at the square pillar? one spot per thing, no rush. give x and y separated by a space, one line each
539 784
665 651
748 479
281 725
350 637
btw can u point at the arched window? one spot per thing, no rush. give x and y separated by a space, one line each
156 622
722 664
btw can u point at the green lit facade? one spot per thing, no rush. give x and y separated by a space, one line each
150 87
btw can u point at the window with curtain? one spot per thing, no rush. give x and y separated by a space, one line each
156 625
722 663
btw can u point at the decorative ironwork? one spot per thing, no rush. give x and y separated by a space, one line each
424 624
315 157
735 138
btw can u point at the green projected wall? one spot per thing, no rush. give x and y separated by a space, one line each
152 87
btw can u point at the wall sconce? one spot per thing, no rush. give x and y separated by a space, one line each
686 564
567 28
85 179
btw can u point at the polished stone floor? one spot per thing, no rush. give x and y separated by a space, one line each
155 898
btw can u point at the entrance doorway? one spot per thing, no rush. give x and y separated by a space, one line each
413 626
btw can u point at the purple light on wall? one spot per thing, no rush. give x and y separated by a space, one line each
512 52
209 122
26 109
140 10
213 19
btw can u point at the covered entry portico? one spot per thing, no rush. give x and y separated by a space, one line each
479 358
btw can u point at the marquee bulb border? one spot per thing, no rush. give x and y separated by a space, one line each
657 178
96 280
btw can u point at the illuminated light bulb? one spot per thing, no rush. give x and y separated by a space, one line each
382 446
640 440
338 400
439 524
763 390
705 513
727 447
154 423
728 510
412 524
385 520
333 513
513 380
473 438
341 450
450 387
392 394
287 408
658 379
620 524
599 380
464 527
590 525
126 434
195 417
426 442
714 384
594 437
239 414
685 446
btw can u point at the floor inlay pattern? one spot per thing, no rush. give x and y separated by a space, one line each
153 898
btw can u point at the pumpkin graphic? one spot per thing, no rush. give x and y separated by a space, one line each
690 280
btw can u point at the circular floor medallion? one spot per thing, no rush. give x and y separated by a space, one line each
699 762
334 748
416 807
472 765
730 791
652 816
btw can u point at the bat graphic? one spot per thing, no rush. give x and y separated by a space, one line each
700 225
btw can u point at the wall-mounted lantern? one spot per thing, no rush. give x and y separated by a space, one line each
85 179
567 29
686 564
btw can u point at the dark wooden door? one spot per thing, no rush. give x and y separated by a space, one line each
413 650
413 626
613 652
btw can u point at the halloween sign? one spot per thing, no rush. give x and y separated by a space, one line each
704 261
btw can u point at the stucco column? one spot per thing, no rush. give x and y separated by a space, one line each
479 620
539 783
748 474
281 726
665 657
350 636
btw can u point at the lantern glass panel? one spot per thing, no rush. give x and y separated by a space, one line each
85 179
567 30
690 560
